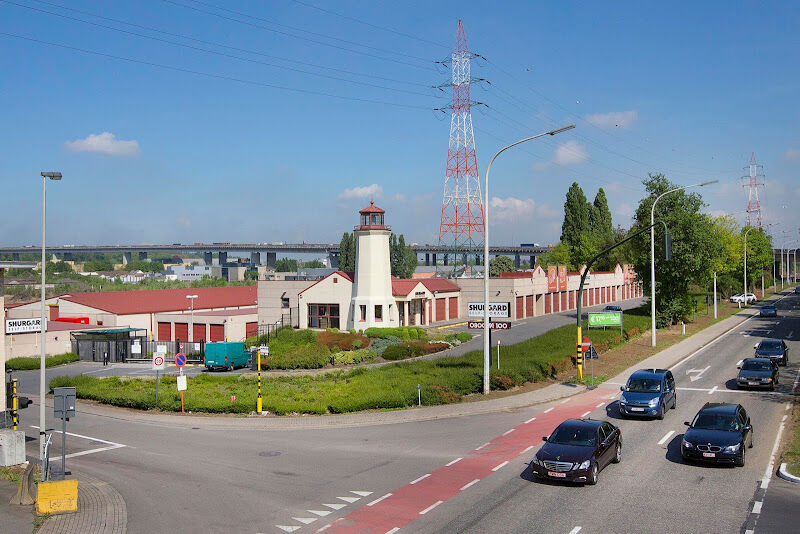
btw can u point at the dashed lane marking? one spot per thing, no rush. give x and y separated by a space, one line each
666 437
757 507
379 499
529 420
431 507
453 462
468 484
711 392
739 363
482 446
527 449
426 475
575 530
585 414
600 405
565 400
507 432
497 467
548 410
395 529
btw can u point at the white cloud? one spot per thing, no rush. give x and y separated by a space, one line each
569 153
511 208
104 143
614 119
367 191
792 154
399 197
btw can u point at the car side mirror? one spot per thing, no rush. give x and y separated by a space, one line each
755 346
738 366
687 423
544 438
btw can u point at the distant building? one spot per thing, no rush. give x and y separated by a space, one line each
190 273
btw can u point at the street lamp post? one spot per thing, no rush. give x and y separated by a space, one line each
486 326
191 318
653 255
744 293
42 425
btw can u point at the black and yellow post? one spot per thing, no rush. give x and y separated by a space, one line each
579 355
14 405
259 401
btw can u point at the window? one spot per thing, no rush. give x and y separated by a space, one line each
379 312
323 316
363 312
284 302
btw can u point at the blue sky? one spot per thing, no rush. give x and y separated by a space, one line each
158 154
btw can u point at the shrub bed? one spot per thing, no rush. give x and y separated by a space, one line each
404 332
309 356
349 357
409 350
342 340
27 364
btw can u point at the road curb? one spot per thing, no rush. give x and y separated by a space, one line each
101 510
784 474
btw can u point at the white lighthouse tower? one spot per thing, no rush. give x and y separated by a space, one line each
373 303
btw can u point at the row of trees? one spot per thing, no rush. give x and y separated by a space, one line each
402 258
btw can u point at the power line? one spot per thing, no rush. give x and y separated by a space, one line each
215 52
212 75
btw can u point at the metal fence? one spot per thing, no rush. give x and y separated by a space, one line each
137 349
287 319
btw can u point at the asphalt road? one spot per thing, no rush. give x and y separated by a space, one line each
451 475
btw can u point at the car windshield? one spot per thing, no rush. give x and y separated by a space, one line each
582 436
715 421
643 385
770 345
756 366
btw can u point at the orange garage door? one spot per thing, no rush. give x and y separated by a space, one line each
529 306
164 332
217 332
181 331
453 307
520 307
440 310
198 332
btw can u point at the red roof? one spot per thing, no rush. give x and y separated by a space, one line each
372 208
165 300
404 287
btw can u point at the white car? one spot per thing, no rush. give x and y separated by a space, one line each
747 298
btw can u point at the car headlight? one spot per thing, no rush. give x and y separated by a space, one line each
653 403
537 461
688 444
767 379
584 465
733 448
622 402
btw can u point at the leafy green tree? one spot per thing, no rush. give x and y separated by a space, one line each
98 265
347 252
694 248
576 231
286 265
759 256
59 267
313 264
501 264
402 258
600 218
557 255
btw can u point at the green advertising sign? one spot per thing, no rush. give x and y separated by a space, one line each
605 319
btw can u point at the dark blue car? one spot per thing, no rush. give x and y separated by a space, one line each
648 393
719 433
768 310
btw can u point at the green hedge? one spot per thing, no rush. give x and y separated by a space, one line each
283 340
27 364
349 357
309 356
404 332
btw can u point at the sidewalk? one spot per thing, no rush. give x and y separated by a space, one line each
13 518
101 510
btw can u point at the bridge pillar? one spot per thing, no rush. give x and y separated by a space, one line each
434 259
465 259
143 255
427 259
532 261
127 257
333 259
517 263
15 256
68 256
445 259
255 258
223 258
208 258
272 258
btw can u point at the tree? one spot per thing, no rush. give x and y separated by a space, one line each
759 255
694 248
313 264
347 252
501 264
557 255
98 265
600 218
285 265
576 231
402 258
58 267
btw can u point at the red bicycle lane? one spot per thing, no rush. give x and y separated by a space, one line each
408 503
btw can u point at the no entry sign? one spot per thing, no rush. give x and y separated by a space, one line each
499 325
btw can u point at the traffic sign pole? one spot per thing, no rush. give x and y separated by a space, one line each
579 355
259 400
180 361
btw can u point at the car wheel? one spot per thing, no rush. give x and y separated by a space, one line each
772 387
739 462
660 415
675 402
592 480
751 440
618 454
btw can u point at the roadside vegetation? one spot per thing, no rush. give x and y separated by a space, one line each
27 364
791 454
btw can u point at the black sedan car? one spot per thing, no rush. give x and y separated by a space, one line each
774 349
719 433
768 310
577 450
758 373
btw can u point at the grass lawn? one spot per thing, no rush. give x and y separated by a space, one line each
791 453
26 364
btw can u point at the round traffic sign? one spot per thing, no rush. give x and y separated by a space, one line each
158 361
180 359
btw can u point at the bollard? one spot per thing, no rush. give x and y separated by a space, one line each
498 354
683 328
419 396
14 405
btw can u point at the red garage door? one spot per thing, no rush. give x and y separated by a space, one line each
453 307
198 332
547 308
251 329
529 306
564 300
571 299
520 307
440 310
181 331
164 332
217 332
584 298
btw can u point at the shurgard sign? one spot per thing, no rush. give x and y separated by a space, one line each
605 319
552 278
562 277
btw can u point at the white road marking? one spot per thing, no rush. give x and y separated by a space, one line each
362 493
527 449
666 437
453 462
757 507
349 499
796 380
305 520
575 530
495 468
784 418
507 432
482 446
465 486
85 437
92 451
111 445
600 405
585 414
287 528
711 392
379 499
771 464
750 532
420 478
321 513
699 373
548 410
336 506
565 400
529 420
395 529
323 529
431 507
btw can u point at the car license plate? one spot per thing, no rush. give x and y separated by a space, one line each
556 474
754 383
637 409
709 455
